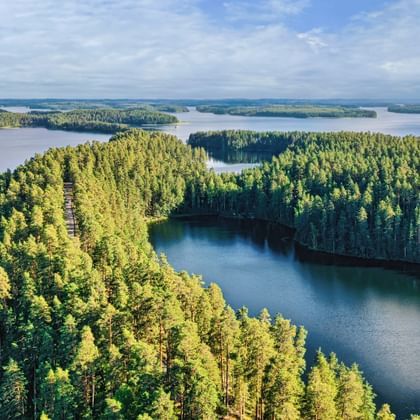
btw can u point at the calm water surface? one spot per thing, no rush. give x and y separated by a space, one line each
387 122
367 315
16 145
20 144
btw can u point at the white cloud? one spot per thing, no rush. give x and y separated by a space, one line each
313 38
170 48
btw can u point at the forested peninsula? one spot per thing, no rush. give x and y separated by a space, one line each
97 326
107 121
353 194
291 111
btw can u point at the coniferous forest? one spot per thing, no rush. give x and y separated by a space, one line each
98 326
345 193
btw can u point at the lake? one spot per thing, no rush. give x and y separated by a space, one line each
20 144
366 315
387 122
17 145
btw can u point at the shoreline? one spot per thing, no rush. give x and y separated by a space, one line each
305 251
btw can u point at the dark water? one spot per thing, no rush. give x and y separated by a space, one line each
366 315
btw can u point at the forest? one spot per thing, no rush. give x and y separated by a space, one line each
180 104
272 142
72 104
291 111
93 120
405 109
97 326
354 194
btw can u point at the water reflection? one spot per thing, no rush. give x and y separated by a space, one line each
240 156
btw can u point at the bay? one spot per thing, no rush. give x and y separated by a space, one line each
368 315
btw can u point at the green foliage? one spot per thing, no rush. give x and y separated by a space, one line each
385 413
4 284
243 140
354 194
13 392
98 326
321 390
95 120
294 111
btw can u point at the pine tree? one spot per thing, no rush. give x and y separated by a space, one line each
321 390
256 351
163 407
13 392
385 413
57 394
5 287
283 387
84 366
350 393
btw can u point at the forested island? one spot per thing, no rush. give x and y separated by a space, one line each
354 194
404 109
291 111
98 326
94 120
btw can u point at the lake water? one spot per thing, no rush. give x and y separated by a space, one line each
387 122
366 315
20 144
16 145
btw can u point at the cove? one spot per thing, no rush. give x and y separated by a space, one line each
368 315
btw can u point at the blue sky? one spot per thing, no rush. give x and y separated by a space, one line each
328 14
210 48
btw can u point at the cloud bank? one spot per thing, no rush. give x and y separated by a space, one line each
175 49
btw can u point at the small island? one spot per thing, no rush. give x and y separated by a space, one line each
290 111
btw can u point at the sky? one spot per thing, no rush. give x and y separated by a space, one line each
210 49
